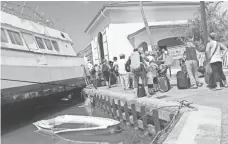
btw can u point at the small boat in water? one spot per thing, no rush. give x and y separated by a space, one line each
79 124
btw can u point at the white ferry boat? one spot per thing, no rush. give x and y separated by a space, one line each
36 60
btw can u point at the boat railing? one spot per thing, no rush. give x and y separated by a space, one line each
31 14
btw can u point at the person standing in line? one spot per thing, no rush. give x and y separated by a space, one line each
124 75
192 63
152 73
106 72
214 57
115 65
142 69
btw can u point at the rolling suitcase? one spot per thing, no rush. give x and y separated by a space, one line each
141 92
164 84
183 82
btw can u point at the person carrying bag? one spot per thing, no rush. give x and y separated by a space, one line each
208 69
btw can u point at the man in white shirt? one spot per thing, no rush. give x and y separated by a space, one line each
124 75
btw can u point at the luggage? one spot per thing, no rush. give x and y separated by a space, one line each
135 61
164 84
141 92
183 82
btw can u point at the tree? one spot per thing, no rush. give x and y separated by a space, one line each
217 21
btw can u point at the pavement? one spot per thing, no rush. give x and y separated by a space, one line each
214 101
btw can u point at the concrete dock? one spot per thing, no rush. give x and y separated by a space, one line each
201 126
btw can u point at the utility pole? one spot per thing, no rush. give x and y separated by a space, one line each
146 25
204 22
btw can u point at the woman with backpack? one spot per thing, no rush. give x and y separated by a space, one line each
214 58
138 66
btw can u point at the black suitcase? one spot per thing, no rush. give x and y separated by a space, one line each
141 92
183 82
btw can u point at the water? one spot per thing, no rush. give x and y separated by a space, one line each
17 127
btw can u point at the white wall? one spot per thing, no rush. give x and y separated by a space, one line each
117 38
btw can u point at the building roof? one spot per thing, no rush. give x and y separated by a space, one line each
163 24
136 4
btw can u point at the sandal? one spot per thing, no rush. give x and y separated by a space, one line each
194 87
200 84
215 89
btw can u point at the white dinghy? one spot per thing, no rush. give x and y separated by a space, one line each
83 124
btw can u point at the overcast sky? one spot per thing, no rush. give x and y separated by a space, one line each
73 17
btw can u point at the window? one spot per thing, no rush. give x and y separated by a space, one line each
48 44
40 43
55 44
3 36
29 40
15 37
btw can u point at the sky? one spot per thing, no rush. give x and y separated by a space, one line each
73 16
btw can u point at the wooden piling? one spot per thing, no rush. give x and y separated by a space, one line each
95 101
109 107
102 103
120 111
105 104
98 101
126 113
114 109
156 120
144 117
134 114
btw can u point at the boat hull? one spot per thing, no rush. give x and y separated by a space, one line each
27 82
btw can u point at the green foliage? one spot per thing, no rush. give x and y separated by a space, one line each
217 21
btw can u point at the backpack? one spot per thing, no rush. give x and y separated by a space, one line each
105 68
127 65
135 61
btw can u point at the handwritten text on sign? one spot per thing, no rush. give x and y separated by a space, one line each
176 52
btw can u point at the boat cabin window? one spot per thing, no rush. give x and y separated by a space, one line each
40 42
55 44
29 40
48 44
15 37
3 36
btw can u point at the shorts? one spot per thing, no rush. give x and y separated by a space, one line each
150 86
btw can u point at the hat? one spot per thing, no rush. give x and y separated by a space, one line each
212 35
189 44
